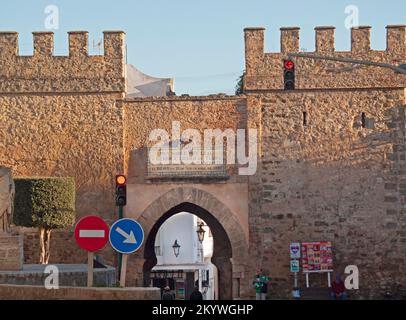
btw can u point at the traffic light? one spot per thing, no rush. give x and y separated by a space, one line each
121 190
289 74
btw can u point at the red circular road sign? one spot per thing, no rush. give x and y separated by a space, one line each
91 233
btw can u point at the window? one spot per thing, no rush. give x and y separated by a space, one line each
363 120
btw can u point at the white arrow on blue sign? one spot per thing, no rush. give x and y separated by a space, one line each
126 235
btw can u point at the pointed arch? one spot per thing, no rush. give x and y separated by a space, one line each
230 244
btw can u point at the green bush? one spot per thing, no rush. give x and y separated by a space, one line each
44 202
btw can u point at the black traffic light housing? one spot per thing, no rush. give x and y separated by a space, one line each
121 190
289 75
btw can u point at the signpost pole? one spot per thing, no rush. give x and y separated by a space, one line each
295 283
329 279
126 236
123 270
91 234
120 256
307 280
90 269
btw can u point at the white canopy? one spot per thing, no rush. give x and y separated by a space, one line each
142 85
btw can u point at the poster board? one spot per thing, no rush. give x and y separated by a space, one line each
317 257
180 290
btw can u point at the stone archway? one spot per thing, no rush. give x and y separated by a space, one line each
230 253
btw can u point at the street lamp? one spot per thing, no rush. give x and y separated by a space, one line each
176 248
200 232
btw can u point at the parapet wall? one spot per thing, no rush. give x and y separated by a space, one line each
264 71
43 72
20 292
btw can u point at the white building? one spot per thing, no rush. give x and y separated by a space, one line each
193 264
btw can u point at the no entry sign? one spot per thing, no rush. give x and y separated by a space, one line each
92 233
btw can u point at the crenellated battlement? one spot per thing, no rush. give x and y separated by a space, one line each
264 70
77 72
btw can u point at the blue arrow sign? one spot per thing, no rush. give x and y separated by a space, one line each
126 235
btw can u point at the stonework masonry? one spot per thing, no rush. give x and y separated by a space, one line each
20 292
263 70
59 115
11 253
331 160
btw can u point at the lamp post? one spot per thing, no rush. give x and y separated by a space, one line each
200 232
200 235
176 248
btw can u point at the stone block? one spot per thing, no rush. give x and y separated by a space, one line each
11 252
23 292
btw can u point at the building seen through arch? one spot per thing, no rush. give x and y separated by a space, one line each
189 265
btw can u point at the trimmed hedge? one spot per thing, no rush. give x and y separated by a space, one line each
47 202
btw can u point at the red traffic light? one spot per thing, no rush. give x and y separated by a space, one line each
289 65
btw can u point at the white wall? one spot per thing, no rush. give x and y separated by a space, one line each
183 227
179 227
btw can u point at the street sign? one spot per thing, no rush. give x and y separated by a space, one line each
91 233
294 266
126 236
295 250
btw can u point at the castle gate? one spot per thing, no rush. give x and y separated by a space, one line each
230 244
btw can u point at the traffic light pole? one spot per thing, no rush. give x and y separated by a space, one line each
348 60
120 256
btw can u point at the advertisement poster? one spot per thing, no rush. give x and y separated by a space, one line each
317 257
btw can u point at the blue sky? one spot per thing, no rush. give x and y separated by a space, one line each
199 43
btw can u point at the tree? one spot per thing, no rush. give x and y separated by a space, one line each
46 203
239 88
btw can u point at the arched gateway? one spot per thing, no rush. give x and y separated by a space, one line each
230 245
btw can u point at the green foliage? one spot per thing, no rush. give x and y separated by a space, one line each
239 88
47 202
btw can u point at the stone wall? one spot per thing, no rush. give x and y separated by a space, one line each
18 292
11 252
59 117
337 176
64 248
333 180
59 114
264 71
143 115
76 135
72 275
43 72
